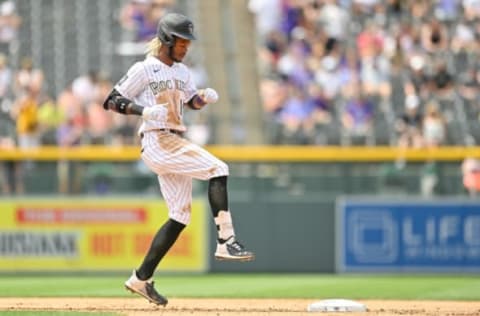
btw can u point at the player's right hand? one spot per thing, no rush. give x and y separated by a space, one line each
158 112
208 95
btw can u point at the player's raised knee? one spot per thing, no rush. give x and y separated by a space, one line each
220 169
223 168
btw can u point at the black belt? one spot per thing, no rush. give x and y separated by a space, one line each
173 131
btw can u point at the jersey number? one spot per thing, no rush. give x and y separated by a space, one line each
180 110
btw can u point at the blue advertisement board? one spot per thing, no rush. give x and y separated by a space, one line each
409 235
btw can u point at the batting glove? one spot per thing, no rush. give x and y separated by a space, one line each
158 112
208 95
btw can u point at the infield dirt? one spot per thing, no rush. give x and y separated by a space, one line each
241 307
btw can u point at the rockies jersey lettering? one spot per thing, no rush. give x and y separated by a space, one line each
161 86
153 83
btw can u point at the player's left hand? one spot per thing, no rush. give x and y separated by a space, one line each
158 112
208 95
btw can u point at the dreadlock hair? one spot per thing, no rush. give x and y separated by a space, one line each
153 47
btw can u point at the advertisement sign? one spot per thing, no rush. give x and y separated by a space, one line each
435 235
93 234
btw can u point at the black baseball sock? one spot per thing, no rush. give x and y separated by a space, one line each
161 243
218 198
217 195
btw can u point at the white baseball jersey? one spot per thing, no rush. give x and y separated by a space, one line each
173 158
151 82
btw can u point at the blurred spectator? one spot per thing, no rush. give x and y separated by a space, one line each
408 38
71 131
375 74
27 78
328 77
50 116
434 36
442 81
321 114
471 9
5 79
364 6
321 107
268 16
469 84
274 45
417 76
25 113
69 104
395 10
348 72
273 92
409 125
446 10
141 17
357 118
10 22
292 16
434 126
463 38
296 117
292 65
99 121
132 11
471 175
85 87
333 19
98 124
370 41
434 134
419 9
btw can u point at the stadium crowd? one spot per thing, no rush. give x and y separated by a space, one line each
395 72
370 72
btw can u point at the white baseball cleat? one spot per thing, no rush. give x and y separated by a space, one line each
145 289
231 250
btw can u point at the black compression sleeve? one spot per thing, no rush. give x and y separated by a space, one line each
118 103
217 194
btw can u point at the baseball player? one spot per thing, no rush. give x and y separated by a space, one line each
157 89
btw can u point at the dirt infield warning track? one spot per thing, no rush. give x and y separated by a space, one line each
218 307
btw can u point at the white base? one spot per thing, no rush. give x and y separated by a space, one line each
336 305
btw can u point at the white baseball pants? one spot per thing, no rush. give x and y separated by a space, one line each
176 161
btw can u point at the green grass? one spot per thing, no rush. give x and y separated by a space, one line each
318 286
